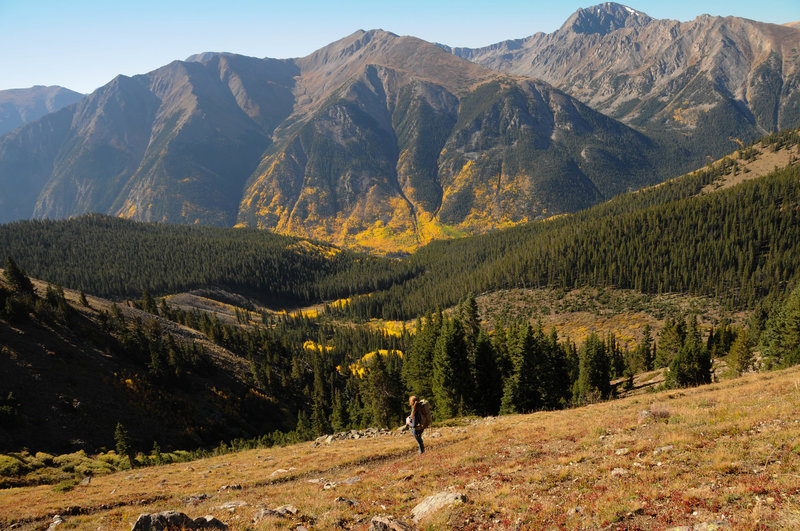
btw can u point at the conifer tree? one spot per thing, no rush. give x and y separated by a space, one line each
488 384
740 356
17 280
450 371
417 371
594 377
123 444
382 393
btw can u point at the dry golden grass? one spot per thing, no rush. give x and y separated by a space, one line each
723 452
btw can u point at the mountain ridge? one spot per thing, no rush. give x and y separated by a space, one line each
21 106
384 142
643 72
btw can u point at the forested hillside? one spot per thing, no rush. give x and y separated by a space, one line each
117 258
735 244
333 373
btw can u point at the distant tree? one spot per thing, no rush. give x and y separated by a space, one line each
16 278
780 342
123 443
83 300
692 365
148 303
669 342
740 356
594 371
643 353
383 393
418 364
450 371
488 384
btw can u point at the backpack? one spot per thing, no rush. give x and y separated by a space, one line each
424 410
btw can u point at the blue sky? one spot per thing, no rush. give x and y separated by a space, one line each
84 44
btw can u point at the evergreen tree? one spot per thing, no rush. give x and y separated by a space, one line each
339 421
17 279
594 376
643 354
488 384
692 365
670 341
417 372
148 303
780 342
740 357
383 394
450 371
123 443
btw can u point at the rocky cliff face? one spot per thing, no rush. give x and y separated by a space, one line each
712 75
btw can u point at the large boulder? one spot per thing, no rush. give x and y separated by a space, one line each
435 503
173 520
388 523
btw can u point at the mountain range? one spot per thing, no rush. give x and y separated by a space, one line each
21 106
383 142
715 74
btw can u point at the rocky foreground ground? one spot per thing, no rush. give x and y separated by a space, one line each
722 456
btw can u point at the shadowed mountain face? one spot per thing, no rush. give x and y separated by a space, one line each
712 76
374 142
21 106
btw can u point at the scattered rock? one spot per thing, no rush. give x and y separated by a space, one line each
354 434
622 451
232 505
57 521
662 449
197 498
574 511
265 513
435 503
348 481
230 487
286 510
174 520
711 526
388 523
653 414
86 480
351 503
282 471
619 472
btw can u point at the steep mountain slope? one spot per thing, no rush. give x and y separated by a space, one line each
709 78
375 141
416 143
72 371
21 106
175 145
384 143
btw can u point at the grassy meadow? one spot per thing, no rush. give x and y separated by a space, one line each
727 453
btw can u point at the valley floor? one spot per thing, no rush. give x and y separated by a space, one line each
723 454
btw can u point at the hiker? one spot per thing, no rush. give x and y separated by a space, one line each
414 422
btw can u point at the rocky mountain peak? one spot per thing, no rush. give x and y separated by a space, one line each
605 18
